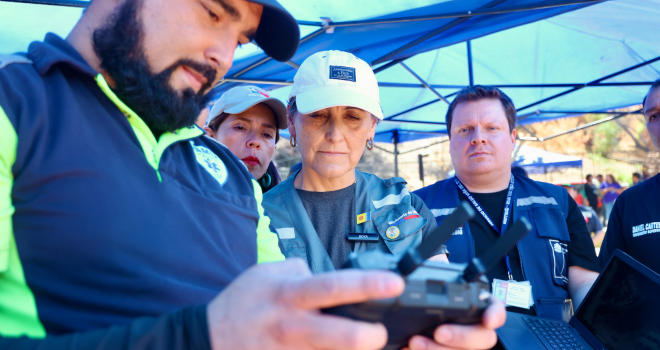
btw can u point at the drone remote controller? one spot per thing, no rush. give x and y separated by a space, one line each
435 292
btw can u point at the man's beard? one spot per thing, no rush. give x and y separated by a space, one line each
118 44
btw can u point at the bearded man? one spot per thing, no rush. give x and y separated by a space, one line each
123 227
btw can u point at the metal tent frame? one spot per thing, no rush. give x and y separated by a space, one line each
385 62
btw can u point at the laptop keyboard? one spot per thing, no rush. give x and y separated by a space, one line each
557 334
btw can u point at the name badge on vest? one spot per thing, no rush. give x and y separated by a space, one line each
363 237
513 293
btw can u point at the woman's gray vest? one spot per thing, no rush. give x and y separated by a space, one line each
388 201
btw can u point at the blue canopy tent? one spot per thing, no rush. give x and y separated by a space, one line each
538 161
554 58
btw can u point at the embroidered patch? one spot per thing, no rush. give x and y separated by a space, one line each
211 162
560 250
392 232
645 229
342 73
411 214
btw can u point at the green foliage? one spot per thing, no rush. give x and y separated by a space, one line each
606 166
606 135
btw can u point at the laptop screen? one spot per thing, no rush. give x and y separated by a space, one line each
623 309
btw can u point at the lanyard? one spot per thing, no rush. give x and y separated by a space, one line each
505 219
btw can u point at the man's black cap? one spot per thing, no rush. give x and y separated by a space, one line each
278 33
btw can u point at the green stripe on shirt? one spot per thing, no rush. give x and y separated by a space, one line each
268 249
18 309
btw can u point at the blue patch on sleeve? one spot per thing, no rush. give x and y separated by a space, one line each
342 73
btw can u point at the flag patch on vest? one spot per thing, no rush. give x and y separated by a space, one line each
211 162
364 217
391 199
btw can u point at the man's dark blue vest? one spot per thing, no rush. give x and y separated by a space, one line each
543 251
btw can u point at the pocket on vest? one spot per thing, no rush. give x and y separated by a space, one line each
550 226
399 226
294 248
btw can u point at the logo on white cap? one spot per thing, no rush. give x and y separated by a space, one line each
342 73
335 78
257 92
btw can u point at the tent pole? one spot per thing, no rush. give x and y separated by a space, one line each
388 65
439 86
268 58
395 140
423 147
604 120
84 3
426 85
469 59
499 11
412 122
418 107
595 82
430 35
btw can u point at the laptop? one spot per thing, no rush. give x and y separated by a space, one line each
620 312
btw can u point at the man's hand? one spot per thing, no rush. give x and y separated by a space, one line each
449 336
276 306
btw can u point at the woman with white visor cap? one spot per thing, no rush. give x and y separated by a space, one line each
329 209
247 120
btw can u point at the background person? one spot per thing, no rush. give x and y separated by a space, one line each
321 211
203 116
634 225
591 192
636 178
609 190
594 225
247 120
481 126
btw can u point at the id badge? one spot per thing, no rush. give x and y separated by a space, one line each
513 293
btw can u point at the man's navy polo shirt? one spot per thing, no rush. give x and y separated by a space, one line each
99 222
634 225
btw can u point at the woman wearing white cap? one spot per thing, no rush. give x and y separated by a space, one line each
328 208
247 120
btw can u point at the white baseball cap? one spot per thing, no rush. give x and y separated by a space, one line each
335 78
241 98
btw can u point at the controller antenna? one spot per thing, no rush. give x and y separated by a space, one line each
479 266
415 256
